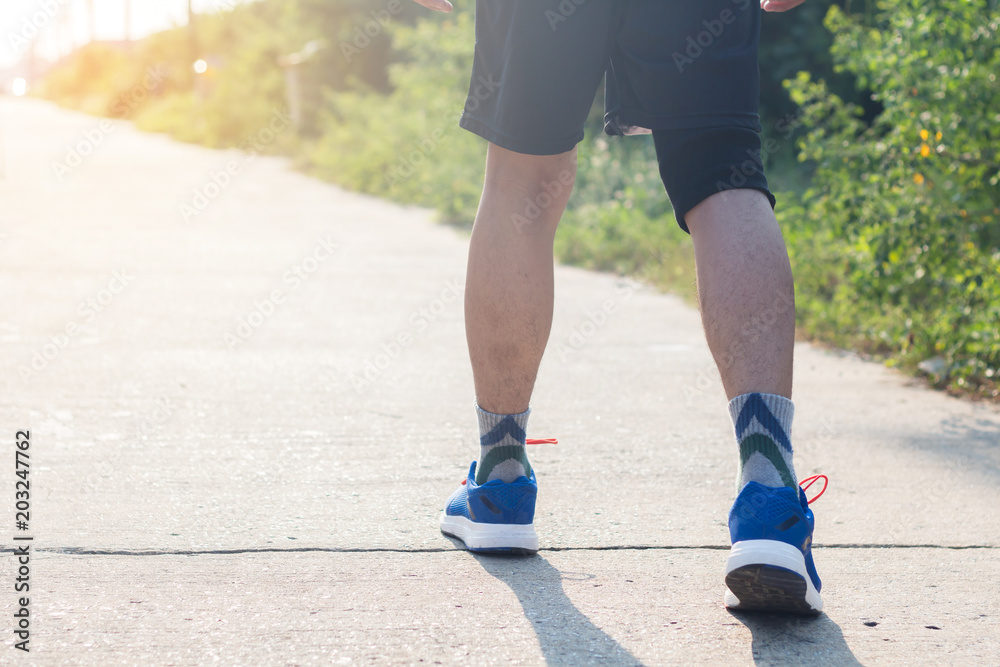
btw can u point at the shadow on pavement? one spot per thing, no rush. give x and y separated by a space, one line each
565 635
780 639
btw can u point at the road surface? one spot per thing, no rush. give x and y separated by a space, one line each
248 396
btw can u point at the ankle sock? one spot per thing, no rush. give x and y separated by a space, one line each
502 451
763 423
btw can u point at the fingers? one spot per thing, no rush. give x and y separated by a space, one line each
779 5
437 5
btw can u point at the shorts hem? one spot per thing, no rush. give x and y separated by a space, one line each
619 123
526 147
691 200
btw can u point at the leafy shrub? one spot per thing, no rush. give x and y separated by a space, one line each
91 80
620 219
406 144
897 242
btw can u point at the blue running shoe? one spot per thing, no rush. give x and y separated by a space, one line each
770 566
494 517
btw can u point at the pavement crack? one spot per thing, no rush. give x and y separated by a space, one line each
82 551
907 546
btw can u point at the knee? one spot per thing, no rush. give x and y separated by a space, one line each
542 182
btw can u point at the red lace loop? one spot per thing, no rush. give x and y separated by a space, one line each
809 481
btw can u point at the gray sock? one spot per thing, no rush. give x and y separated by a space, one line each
502 453
763 423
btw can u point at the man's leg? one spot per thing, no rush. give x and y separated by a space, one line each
508 297
703 113
535 74
746 291
747 301
508 293
508 315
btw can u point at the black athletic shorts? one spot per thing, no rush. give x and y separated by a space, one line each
684 69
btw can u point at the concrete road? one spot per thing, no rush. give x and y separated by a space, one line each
248 396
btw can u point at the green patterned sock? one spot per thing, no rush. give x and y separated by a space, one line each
763 423
502 453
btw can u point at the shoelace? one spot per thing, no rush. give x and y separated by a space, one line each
533 441
809 481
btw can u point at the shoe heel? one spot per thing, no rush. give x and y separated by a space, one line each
768 588
768 575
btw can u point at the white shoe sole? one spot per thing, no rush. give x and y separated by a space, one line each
768 575
490 536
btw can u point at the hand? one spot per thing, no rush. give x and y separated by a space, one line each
443 5
773 5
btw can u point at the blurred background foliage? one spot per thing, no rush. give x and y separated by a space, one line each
884 118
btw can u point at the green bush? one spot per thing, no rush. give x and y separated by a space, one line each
92 80
619 218
406 145
897 242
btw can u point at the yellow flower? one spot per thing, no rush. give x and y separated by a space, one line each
962 212
937 136
925 150
924 134
918 179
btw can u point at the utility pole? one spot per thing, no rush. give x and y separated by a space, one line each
291 65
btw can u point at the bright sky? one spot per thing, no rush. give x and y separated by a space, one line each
64 23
